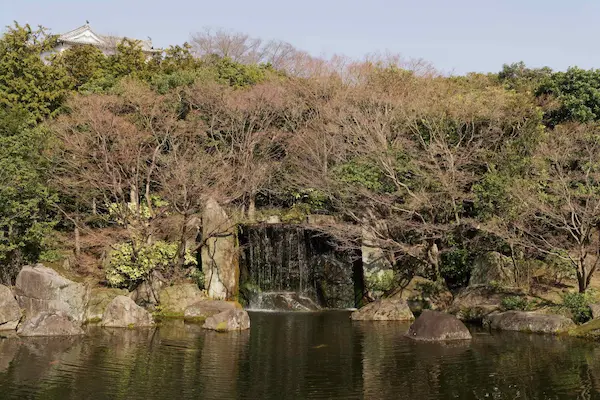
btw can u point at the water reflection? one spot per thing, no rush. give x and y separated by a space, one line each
296 356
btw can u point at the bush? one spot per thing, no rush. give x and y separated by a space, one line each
455 267
132 262
577 304
515 303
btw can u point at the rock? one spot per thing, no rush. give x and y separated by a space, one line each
10 313
207 308
230 320
283 301
100 298
377 270
595 309
220 262
50 324
528 321
273 219
39 289
122 312
492 267
424 294
147 293
174 300
473 303
384 310
589 330
435 325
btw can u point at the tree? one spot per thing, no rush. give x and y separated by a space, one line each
25 79
82 64
560 200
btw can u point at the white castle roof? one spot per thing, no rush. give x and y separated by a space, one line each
85 35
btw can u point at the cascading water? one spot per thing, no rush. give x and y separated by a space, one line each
296 268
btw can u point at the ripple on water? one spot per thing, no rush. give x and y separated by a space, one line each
321 355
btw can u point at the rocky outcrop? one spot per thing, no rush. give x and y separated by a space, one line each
100 298
42 290
438 326
528 321
174 300
230 320
50 324
595 309
10 313
207 308
122 312
220 262
384 310
492 267
473 303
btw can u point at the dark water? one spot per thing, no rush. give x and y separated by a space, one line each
296 356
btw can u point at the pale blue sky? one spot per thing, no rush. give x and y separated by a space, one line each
455 35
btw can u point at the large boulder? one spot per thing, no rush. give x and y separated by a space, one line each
230 320
174 300
384 310
220 262
492 267
438 326
203 309
528 321
473 303
10 313
122 312
50 324
40 289
589 330
100 298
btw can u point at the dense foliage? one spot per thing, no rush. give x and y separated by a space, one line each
125 149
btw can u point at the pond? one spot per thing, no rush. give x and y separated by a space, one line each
296 356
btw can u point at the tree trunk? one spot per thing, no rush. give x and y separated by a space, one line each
252 208
77 239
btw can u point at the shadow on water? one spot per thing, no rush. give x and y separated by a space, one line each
296 356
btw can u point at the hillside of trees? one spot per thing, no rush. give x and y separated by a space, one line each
106 161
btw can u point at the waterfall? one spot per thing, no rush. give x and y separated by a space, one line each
293 267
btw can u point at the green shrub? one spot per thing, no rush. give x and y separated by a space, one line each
455 267
577 304
515 303
132 262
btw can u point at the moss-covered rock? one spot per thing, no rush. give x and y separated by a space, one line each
230 320
175 299
528 321
100 298
589 330
384 310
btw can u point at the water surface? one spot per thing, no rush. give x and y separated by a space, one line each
296 356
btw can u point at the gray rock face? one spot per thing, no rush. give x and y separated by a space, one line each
50 324
492 266
438 326
39 289
100 298
122 312
10 313
230 320
220 262
528 321
283 301
207 308
177 298
384 310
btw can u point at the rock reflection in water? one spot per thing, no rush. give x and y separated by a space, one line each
319 355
